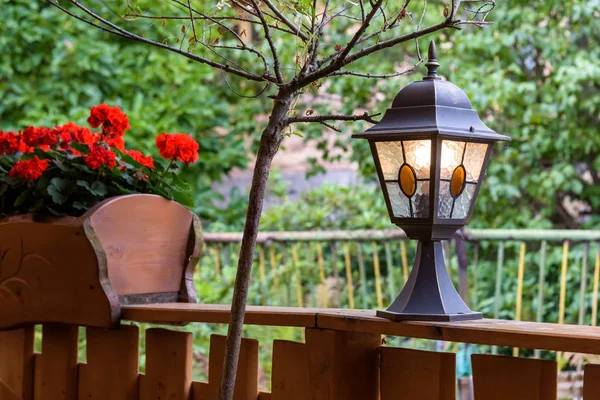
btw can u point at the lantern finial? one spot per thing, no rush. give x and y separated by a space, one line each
432 64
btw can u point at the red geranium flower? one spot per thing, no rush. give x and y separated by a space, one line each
117 142
29 169
111 119
11 143
40 137
100 156
178 146
146 161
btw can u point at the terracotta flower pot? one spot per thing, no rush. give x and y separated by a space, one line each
126 250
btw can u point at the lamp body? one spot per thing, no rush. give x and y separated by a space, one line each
429 295
431 152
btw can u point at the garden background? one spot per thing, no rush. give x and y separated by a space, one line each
533 75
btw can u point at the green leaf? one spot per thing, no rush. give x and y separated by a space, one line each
180 183
79 206
97 188
183 198
22 198
59 190
80 147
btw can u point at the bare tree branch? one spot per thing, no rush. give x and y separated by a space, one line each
378 76
124 33
192 20
267 31
331 117
336 65
295 29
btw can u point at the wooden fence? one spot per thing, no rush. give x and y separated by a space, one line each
342 358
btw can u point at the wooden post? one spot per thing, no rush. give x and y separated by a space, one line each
343 365
591 382
501 378
290 371
168 365
112 367
59 362
246 382
417 374
16 362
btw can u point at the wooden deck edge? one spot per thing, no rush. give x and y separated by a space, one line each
532 335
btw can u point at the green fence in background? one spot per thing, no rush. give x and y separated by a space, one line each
538 275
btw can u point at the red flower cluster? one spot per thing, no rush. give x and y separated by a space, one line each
100 156
146 161
29 169
112 120
11 143
177 146
40 137
71 132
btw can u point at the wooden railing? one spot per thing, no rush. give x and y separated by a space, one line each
369 267
342 358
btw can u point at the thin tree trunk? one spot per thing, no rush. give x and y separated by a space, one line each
269 144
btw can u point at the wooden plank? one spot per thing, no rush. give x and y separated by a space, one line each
265 396
219 314
59 362
16 361
501 378
37 376
51 273
111 371
200 391
529 335
591 382
6 393
155 264
246 381
168 365
343 365
289 379
523 334
415 374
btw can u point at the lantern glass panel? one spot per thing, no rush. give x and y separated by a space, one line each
460 171
418 156
474 156
463 202
390 158
400 203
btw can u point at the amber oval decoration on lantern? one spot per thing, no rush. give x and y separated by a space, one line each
408 180
457 182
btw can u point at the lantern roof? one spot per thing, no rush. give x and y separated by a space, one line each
431 107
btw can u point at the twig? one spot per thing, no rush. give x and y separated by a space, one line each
267 31
378 76
126 34
331 117
295 29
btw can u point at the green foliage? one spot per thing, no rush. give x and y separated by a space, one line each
534 76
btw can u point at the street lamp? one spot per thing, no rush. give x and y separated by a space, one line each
431 151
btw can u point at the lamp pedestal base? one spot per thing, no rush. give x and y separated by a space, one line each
429 294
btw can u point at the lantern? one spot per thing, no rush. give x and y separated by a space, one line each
431 151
